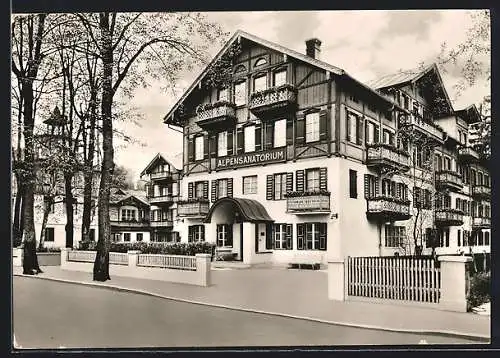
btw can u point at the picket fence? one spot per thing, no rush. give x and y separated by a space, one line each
397 278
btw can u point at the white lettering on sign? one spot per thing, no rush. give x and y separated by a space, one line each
247 159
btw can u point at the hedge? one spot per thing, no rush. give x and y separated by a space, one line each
185 249
480 289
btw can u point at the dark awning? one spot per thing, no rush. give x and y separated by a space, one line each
249 209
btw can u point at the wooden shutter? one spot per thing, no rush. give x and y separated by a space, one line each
289 131
300 132
299 181
322 236
190 234
258 137
205 189
289 236
190 149
289 182
213 146
190 190
300 236
240 141
377 134
367 130
229 234
416 197
323 124
270 187
268 144
269 237
375 184
359 130
393 188
214 190
202 232
399 193
323 179
367 186
205 146
230 142
230 187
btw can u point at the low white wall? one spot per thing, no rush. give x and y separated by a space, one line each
200 277
17 257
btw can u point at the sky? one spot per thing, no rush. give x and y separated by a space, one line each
366 44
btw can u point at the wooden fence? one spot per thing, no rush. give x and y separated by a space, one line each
118 258
397 278
167 261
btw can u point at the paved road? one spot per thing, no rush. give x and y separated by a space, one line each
51 314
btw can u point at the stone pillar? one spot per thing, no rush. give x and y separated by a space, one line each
248 242
17 257
132 258
454 282
64 257
336 280
203 269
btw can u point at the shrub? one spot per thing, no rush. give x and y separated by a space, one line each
479 289
48 249
87 245
185 249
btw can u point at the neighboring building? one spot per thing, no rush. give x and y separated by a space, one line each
296 161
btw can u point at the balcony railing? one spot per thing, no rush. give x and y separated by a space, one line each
424 127
161 223
449 179
192 208
482 223
273 101
216 115
162 176
308 202
132 223
388 208
481 191
382 155
468 155
449 217
161 199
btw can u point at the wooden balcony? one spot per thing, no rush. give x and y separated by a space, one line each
387 157
218 115
388 208
481 223
162 199
164 176
449 217
468 155
426 128
448 179
192 208
273 101
130 224
161 223
308 203
481 191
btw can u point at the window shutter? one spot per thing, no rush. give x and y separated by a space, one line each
299 181
205 189
190 149
230 142
289 182
400 191
323 126
190 234
205 146
322 236
300 236
258 137
393 188
375 184
377 134
359 130
289 236
367 130
214 190
416 197
269 237
300 130
230 187
269 135
269 187
240 141
213 146
367 186
289 131
202 232
323 179
190 190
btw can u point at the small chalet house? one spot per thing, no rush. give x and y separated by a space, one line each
290 159
129 216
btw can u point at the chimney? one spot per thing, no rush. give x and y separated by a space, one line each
313 48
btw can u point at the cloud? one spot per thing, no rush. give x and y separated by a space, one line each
410 22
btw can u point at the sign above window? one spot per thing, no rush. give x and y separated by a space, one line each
249 159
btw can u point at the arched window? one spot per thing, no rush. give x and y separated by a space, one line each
260 62
240 68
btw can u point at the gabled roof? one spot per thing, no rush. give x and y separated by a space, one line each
118 195
238 35
470 114
157 158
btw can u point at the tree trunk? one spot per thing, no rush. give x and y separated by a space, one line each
46 209
101 264
68 202
415 238
17 227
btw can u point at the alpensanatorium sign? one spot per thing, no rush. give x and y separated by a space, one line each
248 159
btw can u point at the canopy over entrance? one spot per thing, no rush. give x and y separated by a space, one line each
248 209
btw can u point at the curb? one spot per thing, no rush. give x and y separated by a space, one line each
475 337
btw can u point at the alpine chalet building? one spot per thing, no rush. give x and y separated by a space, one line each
288 159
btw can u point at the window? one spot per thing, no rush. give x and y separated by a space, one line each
260 62
224 235
459 237
128 215
222 144
196 233
280 78
199 189
138 237
444 237
447 163
260 83
126 237
221 188
311 236
353 184
250 185
283 236
280 133
406 102
312 127
394 236
279 186
223 94
92 234
198 143
249 139
486 237
240 93
387 136
116 237
49 234
312 180
353 98
371 133
352 127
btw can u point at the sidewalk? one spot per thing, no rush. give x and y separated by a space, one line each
294 293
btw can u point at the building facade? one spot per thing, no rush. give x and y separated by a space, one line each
293 160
